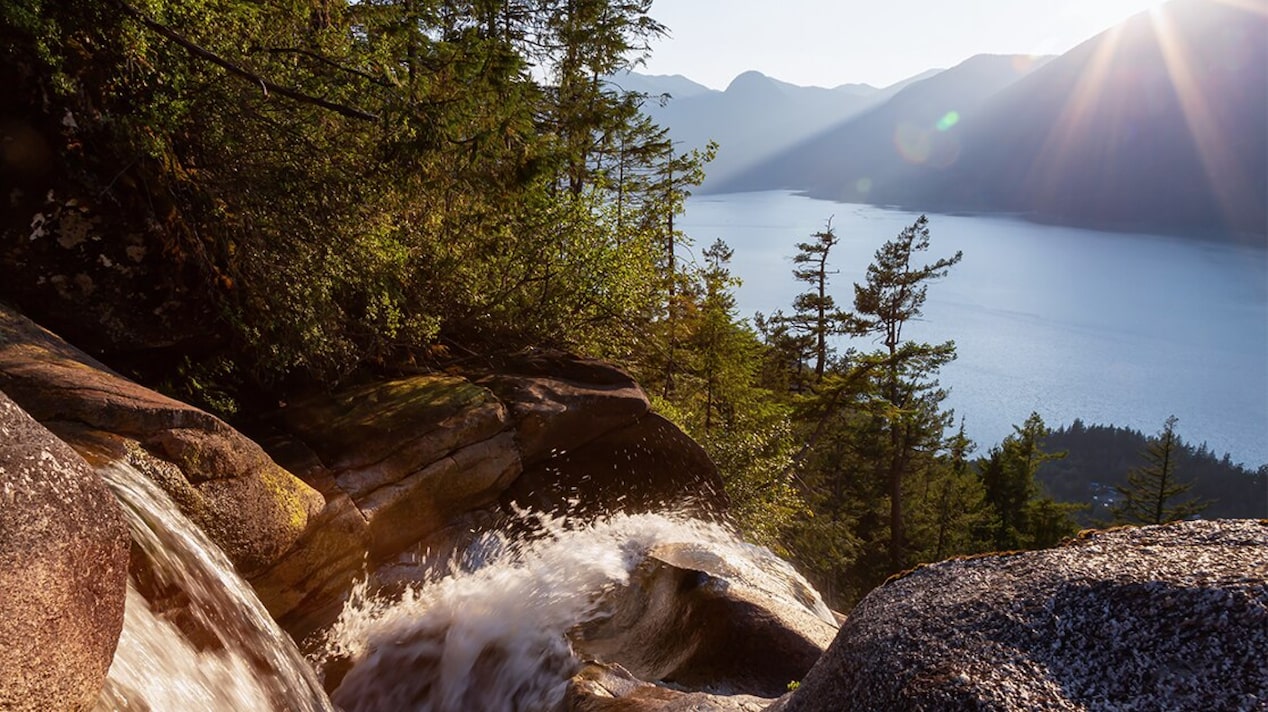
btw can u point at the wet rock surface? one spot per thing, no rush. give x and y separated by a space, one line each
251 507
649 465
560 402
428 462
591 445
410 453
1159 618
693 617
63 570
611 688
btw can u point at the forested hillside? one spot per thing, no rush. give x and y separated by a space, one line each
1099 457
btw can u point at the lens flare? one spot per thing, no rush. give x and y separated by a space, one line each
914 144
949 119
1023 63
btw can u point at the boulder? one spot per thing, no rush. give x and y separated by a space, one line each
706 616
223 481
427 462
411 453
611 688
63 570
560 402
591 445
304 589
1152 618
399 462
649 465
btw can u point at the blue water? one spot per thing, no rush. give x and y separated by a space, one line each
1113 328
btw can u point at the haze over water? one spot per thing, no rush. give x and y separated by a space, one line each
1113 328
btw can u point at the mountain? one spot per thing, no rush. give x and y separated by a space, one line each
754 118
866 157
1159 123
654 85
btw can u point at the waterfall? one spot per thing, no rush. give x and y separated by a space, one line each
491 631
210 645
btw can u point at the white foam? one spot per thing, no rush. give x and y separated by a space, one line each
495 638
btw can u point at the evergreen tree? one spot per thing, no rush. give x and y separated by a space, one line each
675 175
1147 498
1024 517
949 511
814 312
880 479
719 401
894 294
725 348
783 367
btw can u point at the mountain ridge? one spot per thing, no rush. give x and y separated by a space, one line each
755 117
1157 124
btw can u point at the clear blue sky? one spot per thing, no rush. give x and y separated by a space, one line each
878 42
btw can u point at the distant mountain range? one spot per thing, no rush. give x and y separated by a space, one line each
755 119
1160 123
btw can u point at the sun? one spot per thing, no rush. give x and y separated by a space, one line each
1162 24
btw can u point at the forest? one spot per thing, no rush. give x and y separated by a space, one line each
257 200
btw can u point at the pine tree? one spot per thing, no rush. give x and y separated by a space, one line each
894 294
815 312
724 348
1147 498
1024 517
949 509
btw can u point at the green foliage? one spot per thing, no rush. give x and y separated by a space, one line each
815 316
482 206
755 459
1148 496
884 486
1100 456
1024 517
949 513
754 455
893 295
717 399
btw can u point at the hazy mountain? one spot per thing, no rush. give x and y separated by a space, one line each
1158 123
1161 122
655 85
754 118
917 130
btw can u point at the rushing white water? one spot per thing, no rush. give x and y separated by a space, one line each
216 649
493 636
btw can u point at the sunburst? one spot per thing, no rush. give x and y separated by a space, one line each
1223 173
1092 94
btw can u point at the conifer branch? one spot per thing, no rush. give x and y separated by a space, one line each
268 86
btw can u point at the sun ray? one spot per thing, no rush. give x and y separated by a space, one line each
1223 174
1078 110
1129 75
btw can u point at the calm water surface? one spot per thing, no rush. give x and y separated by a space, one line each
1114 328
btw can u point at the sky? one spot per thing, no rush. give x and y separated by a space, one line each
879 42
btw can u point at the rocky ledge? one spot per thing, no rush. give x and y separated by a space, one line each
1159 618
